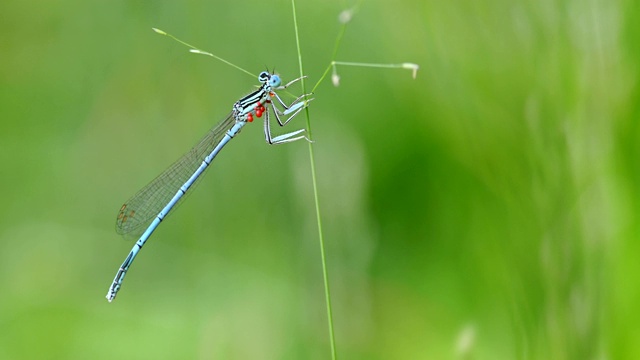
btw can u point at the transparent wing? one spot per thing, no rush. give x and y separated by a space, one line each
138 212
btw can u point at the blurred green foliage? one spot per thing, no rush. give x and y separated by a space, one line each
486 210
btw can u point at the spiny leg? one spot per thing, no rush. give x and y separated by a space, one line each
292 112
281 87
293 103
284 138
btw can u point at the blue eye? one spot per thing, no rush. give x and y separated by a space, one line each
274 81
263 77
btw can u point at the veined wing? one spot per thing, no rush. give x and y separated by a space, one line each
138 212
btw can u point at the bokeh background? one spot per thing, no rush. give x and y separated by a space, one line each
486 210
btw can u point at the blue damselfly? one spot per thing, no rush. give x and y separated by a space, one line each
146 209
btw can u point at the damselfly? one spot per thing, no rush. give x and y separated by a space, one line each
146 209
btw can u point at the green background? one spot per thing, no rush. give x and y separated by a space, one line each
486 210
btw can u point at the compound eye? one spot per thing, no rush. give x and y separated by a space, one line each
274 81
263 77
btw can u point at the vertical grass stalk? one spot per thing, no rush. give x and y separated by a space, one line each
325 273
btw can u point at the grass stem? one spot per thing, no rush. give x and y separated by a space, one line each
325 272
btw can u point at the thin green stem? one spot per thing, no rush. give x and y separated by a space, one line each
325 272
324 74
409 66
195 50
336 46
347 63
